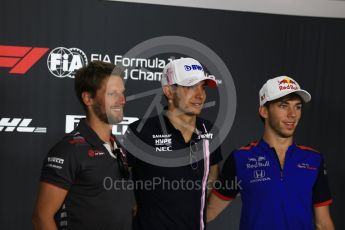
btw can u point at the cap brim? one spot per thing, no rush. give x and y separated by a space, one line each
209 82
306 97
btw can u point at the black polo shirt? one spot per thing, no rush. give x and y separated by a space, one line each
82 164
170 197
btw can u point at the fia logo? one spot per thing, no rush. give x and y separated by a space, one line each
63 62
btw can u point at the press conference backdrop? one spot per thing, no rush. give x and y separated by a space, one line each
43 42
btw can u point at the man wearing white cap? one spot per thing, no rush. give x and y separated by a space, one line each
283 185
177 199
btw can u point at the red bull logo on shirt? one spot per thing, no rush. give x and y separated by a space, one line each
287 83
257 162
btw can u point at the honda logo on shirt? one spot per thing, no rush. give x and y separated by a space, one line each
259 174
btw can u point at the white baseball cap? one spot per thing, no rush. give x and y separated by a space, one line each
186 72
279 87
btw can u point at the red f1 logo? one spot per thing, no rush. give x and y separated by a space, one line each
20 58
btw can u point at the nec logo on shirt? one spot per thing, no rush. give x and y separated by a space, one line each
163 142
192 67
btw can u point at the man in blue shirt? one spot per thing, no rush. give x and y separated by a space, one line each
283 185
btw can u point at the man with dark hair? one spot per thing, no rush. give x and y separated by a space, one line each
282 185
176 201
73 192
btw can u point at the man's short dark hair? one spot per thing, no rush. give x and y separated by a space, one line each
90 77
287 97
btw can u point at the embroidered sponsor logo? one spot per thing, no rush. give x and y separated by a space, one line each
259 176
163 149
161 135
94 153
192 67
54 166
256 162
287 83
306 166
163 142
56 160
206 136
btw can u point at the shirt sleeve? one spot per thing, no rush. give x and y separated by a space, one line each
60 166
227 186
321 191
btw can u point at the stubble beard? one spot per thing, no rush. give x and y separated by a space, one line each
104 117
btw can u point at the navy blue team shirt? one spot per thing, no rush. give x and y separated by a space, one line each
275 197
182 205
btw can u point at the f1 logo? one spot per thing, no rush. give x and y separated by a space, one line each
118 129
259 174
20 58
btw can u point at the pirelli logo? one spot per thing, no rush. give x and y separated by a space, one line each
20 58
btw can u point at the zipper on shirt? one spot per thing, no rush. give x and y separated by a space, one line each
280 166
